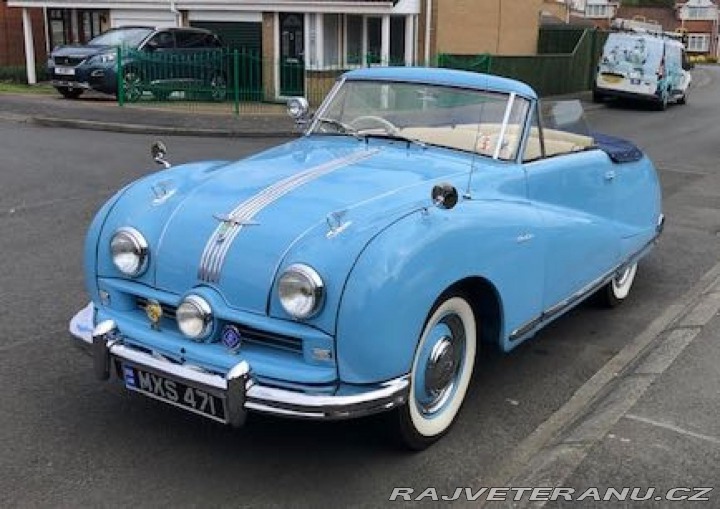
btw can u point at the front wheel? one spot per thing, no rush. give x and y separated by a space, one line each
132 85
218 87
441 371
70 93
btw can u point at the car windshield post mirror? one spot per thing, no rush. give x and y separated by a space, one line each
158 150
299 110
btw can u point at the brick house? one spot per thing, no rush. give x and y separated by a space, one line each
321 36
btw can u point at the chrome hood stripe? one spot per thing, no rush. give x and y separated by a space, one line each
222 238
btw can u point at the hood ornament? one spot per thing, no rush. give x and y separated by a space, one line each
336 224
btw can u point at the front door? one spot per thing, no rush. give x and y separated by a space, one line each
292 64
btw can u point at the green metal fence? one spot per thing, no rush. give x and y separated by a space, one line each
242 81
553 71
220 79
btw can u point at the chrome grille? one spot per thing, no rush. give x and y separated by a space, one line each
70 61
250 335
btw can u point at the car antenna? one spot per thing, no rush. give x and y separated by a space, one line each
473 160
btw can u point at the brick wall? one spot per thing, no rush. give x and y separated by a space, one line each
12 47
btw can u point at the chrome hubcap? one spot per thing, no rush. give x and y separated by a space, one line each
440 365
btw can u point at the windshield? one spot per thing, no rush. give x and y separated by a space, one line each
131 37
487 123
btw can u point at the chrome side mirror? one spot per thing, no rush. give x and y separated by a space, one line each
445 196
158 150
298 108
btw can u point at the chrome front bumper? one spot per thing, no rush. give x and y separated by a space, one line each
241 391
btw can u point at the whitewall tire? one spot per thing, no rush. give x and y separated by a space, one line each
441 372
618 289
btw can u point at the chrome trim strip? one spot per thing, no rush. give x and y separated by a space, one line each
557 309
503 129
221 240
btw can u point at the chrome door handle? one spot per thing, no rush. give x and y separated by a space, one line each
610 175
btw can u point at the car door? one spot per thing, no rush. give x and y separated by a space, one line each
574 193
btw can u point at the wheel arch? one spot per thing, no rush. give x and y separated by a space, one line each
485 301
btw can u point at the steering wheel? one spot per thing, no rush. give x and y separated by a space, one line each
389 126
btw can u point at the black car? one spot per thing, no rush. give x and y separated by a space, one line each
160 61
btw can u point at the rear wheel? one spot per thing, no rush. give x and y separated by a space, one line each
70 93
618 289
441 372
597 97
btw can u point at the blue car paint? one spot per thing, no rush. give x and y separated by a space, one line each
519 227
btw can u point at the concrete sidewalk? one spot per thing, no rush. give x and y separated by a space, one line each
102 113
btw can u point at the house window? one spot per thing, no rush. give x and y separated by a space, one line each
698 43
397 40
350 40
699 13
354 39
597 11
331 39
374 40
59 27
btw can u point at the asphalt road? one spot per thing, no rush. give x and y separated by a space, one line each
69 441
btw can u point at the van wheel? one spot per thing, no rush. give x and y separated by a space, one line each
683 98
662 103
441 371
597 97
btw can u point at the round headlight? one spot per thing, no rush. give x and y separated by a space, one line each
301 291
129 251
194 317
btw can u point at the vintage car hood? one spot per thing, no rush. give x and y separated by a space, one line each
269 203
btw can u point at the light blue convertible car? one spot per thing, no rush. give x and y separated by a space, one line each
359 268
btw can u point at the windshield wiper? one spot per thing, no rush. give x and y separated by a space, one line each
342 126
393 136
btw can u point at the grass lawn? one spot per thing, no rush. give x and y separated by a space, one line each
7 87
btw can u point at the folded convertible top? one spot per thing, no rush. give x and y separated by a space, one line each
618 149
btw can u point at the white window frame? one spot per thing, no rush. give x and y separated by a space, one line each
600 11
702 43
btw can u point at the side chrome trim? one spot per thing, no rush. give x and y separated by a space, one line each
218 245
556 310
242 392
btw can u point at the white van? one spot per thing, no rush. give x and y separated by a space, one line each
643 65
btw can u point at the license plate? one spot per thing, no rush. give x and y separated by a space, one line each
65 71
174 392
612 78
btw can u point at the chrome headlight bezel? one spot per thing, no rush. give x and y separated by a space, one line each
139 248
300 281
200 311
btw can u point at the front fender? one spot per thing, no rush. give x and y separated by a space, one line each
402 272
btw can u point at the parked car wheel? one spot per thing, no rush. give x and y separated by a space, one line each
617 290
683 98
218 87
132 85
441 371
662 102
70 93
597 97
